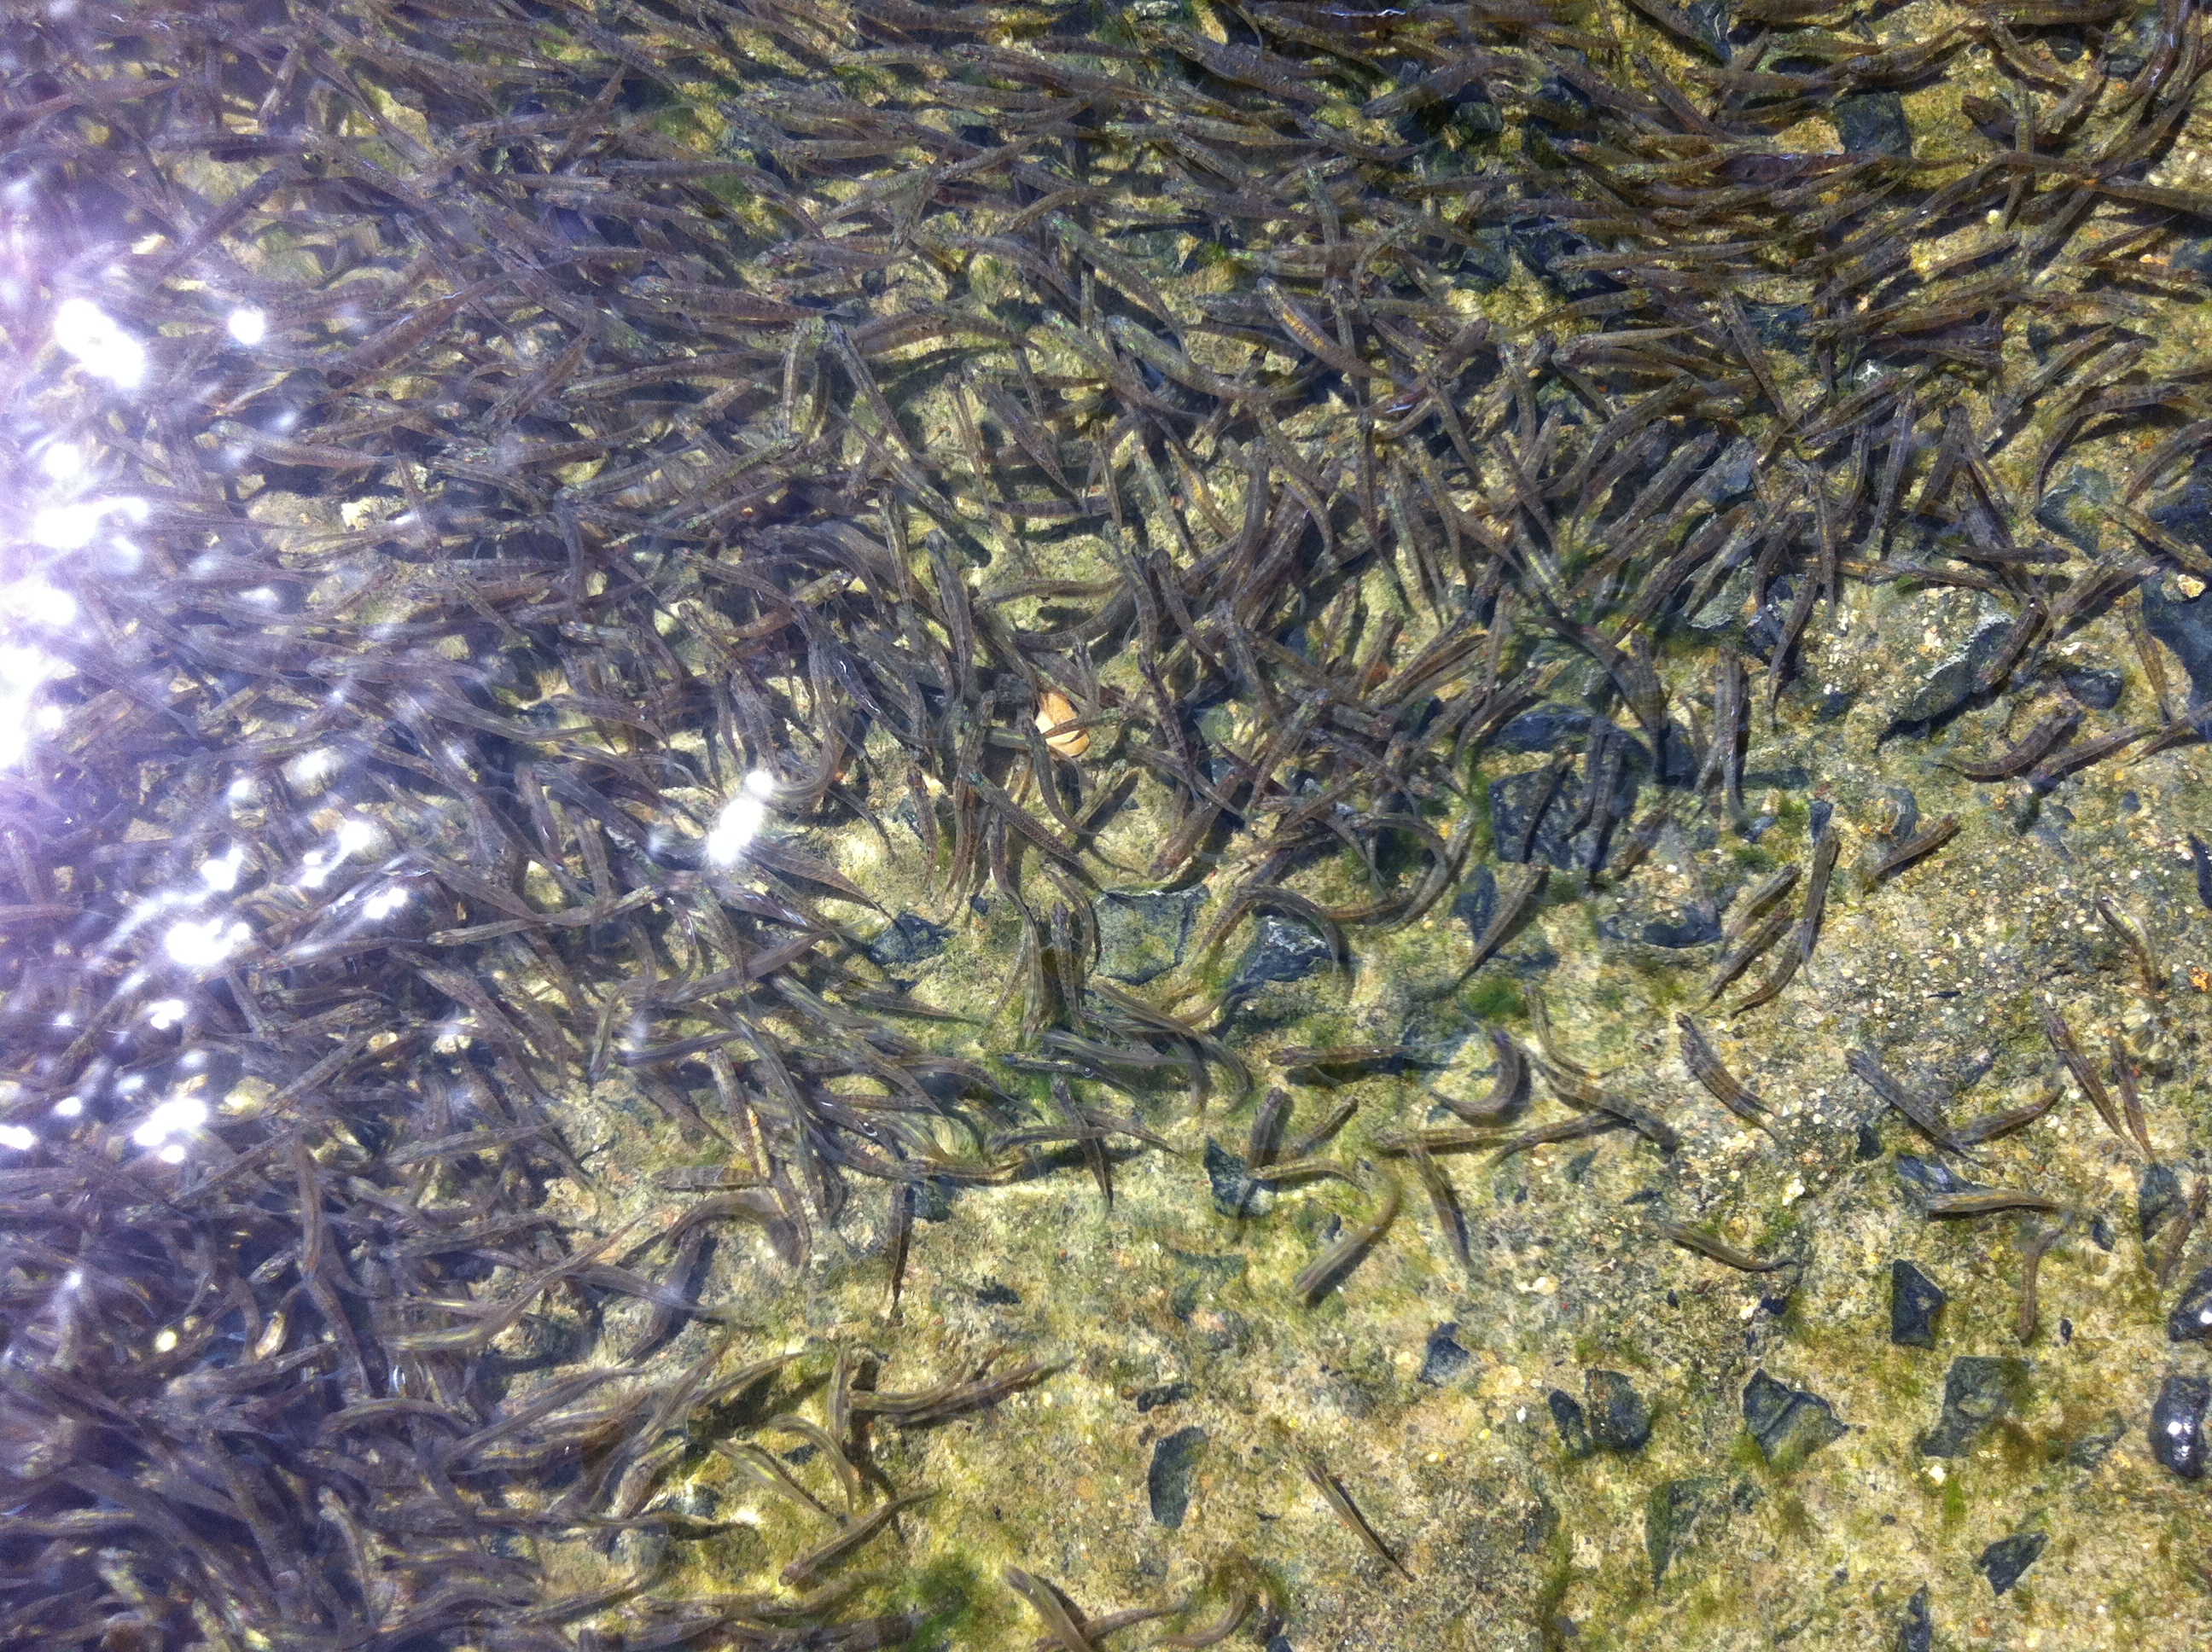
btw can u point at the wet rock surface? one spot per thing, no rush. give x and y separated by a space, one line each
2007 1560
1619 1420
1916 1306
1144 935
1979 1391
2177 1424
2192 1319
1917 1632
1168 1482
1788 1423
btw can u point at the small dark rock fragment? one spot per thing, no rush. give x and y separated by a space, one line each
1789 1423
1867 1145
2004 1560
2100 1233
1516 797
1917 1632
1977 1390
1671 1516
994 1295
1234 1192
2099 690
2192 1319
1141 936
910 938
1926 1178
1174 1461
1874 123
1916 1306
2157 1196
1445 1359
1618 1419
1544 729
1573 1426
2177 1424
1945 690
1164 1393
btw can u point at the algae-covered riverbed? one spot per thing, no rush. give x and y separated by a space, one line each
1303 825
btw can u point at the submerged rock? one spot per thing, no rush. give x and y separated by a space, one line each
2192 1319
2157 1196
2074 509
1789 1425
1618 1419
1574 1427
1282 951
1444 1358
2004 1560
2093 1447
1142 936
1979 1390
1874 123
1916 1306
1234 1192
1917 1632
1174 1461
910 938
2177 1424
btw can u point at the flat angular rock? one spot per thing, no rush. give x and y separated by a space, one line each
1979 1390
2192 1319
1618 1419
2093 1447
1144 935
2177 1424
1574 1427
910 938
1789 1425
1916 1306
1444 1359
1175 1461
2004 1560
1874 123
2099 690
1234 1192
2157 1196
1917 1632
1282 951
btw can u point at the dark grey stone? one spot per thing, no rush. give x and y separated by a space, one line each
2192 1319
994 1295
1513 798
1916 1306
1175 1461
1544 729
2099 690
1979 1391
1234 1192
1781 326
2177 1424
910 938
1478 901
1917 1632
1924 1178
1444 1358
2074 509
2100 1233
1672 1514
2004 1560
1945 689
1867 1145
1789 1425
1544 244
1874 123
2157 1196
1282 951
1141 936
2185 625
1618 1419
1574 1427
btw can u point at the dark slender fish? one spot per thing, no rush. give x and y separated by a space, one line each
1920 844
2040 741
1986 1202
2031 1268
1917 1109
2063 1044
1720 1250
1704 1065
1511 908
1347 1512
1748 952
2147 969
1991 1126
1321 1275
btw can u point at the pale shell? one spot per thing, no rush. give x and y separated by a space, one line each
1053 710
